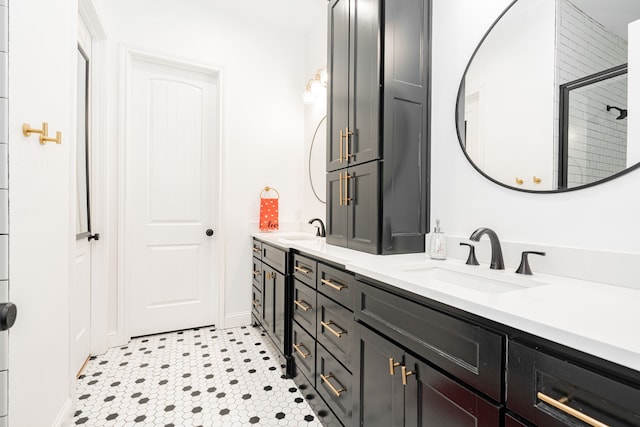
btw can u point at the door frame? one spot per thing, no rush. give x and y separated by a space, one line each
98 174
127 56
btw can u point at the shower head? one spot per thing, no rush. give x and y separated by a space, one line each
623 112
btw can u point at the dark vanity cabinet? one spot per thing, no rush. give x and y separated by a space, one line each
377 148
271 286
548 390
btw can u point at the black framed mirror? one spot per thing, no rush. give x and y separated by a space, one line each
542 106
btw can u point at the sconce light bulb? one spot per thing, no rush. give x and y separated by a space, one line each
324 77
308 98
317 88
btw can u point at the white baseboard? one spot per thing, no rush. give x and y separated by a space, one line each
65 416
236 320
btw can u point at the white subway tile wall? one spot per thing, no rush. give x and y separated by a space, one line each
597 139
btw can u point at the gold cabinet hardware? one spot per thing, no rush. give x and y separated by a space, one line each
392 366
270 275
256 273
519 181
328 324
302 269
338 287
347 199
303 354
256 249
255 303
405 374
57 139
27 130
341 137
336 391
303 305
347 137
537 180
558 404
340 174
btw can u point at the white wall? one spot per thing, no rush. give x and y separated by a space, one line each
42 45
263 72
633 146
601 218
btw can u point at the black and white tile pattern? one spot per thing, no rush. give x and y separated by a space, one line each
201 377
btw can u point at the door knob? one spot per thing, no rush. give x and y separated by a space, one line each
94 236
209 232
8 314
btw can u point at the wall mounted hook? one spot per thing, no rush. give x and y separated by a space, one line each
58 139
27 130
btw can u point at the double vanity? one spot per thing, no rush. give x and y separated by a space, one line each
404 340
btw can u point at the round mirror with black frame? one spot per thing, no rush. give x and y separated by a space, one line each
542 106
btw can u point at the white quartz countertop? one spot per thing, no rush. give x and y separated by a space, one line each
598 319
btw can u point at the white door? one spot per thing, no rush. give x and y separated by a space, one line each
80 314
170 183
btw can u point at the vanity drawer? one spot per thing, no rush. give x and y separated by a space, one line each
468 352
304 269
304 306
536 382
256 302
335 384
304 352
335 329
256 272
275 257
336 284
257 249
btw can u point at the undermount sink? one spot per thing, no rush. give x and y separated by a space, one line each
298 237
478 283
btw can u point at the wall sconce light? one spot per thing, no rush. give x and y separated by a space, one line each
315 86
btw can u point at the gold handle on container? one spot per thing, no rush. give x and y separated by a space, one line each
347 199
302 269
347 137
569 410
256 249
303 354
270 275
303 305
328 324
392 366
340 174
405 374
256 273
537 180
256 304
337 392
519 181
338 287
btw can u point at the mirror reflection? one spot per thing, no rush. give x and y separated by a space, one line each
543 103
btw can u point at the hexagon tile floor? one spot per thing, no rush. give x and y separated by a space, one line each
198 377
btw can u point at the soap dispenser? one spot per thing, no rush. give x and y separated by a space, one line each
438 243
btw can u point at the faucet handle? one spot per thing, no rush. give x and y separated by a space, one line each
471 259
524 262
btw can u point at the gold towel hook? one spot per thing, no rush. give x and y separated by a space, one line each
27 130
267 189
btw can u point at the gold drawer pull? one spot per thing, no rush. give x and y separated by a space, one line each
303 305
256 304
405 374
304 354
302 269
256 249
337 392
270 275
392 366
328 324
569 410
257 273
338 287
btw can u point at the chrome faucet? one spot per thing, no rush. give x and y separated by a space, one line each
497 263
321 232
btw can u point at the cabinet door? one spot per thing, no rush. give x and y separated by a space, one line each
363 144
381 395
268 297
363 198
433 399
336 209
338 85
